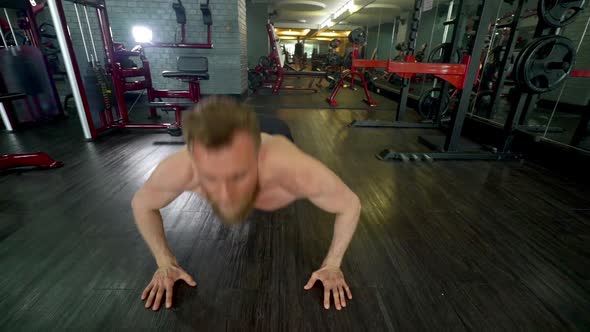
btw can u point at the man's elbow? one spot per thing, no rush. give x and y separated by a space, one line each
355 203
137 201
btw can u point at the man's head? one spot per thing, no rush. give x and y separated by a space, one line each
223 138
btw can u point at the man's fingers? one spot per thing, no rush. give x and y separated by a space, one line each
188 279
326 298
311 282
169 296
347 290
336 298
158 298
150 299
146 291
342 297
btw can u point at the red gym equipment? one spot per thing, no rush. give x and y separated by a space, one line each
36 159
274 68
99 90
356 37
452 73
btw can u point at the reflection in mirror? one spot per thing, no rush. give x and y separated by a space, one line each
567 108
496 86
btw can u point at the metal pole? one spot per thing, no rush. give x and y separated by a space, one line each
502 72
4 115
11 30
457 119
67 55
90 33
378 37
449 16
447 56
82 32
4 40
413 34
392 37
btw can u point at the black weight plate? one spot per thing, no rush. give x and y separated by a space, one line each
357 36
335 43
548 63
559 13
437 54
517 72
429 104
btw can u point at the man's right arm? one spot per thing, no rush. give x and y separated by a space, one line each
165 184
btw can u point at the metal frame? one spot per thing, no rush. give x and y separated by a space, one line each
412 34
107 118
451 74
36 159
183 44
451 148
352 73
72 68
513 26
32 32
276 60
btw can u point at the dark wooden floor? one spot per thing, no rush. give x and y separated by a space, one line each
444 246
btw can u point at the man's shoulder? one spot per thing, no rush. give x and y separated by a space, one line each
282 157
174 173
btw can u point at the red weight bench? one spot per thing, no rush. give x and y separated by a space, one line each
36 159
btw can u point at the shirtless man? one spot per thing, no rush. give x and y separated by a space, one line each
228 161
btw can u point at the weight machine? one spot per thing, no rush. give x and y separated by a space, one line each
270 72
356 37
24 70
9 55
99 89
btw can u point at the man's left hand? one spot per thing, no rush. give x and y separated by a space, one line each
333 280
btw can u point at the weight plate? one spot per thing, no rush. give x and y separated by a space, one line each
357 36
429 104
559 13
517 69
335 43
438 52
548 63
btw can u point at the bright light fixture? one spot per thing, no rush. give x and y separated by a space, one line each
142 34
293 33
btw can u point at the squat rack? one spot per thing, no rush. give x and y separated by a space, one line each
465 74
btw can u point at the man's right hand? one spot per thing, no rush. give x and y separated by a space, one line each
163 282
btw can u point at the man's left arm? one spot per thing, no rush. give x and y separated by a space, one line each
316 182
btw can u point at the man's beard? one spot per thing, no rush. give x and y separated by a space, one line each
241 213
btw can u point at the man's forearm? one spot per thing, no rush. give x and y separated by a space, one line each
344 229
151 227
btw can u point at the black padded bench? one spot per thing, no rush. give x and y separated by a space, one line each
191 69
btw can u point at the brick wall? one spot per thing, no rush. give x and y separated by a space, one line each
227 60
